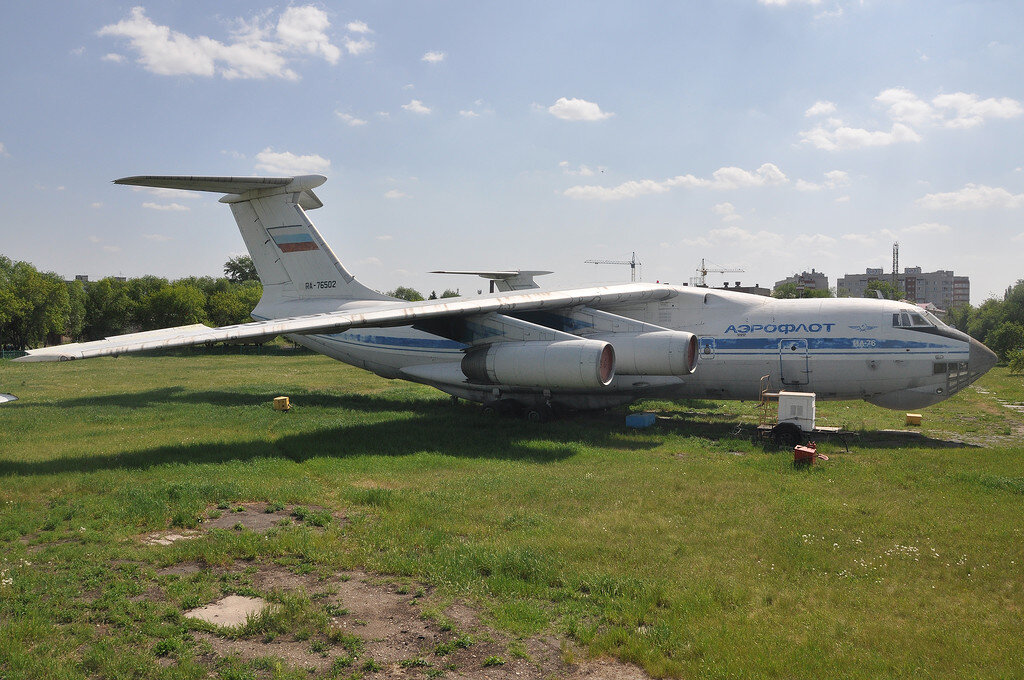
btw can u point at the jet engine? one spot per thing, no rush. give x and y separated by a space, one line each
654 353
560 364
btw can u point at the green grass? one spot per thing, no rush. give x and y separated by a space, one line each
683 548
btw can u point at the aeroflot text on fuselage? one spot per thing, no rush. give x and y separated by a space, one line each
745 328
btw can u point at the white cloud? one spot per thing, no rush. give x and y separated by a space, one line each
114 58
727 211
577 110
416 106
972 197
385 237
906 107
112 249
784 3
288 164
358 27
1018 237
374 261
97 205
842 137
395 194
256 50
820 108
862 239
928 228
833 180
433 57
970 110
721 180
159 238
176 207
813 241
582 171
305 29
909 114
350 120
737 237
3 150
467 113
357 47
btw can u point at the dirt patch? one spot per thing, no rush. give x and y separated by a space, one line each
168 537
233 610
261 518
378 629
256 517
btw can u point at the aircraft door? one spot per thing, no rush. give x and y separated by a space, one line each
794 362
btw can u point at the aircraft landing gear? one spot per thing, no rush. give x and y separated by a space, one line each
787 434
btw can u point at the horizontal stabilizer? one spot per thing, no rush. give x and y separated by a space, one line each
514 279
234 186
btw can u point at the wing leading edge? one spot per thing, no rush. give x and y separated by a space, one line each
387 314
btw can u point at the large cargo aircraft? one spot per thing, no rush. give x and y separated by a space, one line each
527 349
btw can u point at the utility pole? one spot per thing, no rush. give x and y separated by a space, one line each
633 264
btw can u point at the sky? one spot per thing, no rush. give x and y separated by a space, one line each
772 136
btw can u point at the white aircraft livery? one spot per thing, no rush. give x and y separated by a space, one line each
527 349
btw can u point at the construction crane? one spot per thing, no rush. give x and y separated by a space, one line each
704 270
633 264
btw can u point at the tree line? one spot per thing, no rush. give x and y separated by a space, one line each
39 308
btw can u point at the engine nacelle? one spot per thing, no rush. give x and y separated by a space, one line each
561 364
654 353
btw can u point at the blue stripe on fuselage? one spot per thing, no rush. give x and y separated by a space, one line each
825 344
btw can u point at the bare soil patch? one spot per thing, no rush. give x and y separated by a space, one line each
398 640
232 610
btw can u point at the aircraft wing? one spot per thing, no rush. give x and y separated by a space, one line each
382 315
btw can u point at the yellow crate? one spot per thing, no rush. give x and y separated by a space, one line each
914 418
281 404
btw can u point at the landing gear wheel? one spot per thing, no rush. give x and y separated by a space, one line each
540 414
787 434
489 410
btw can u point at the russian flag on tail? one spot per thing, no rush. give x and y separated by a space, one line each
292 238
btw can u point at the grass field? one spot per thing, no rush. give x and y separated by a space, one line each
683 548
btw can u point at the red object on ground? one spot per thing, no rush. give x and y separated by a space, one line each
804 455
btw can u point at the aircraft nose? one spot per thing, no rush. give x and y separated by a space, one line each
981 360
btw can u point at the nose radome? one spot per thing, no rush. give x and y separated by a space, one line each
981 360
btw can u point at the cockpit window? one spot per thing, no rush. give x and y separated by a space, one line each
933 319
919 320
914 319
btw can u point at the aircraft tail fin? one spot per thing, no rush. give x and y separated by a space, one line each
291 257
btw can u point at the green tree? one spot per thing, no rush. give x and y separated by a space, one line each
109 310
178 304
405 293
1007 337
76 309
232 306
239 269
1016 361
449 293
790 290
888 291
37 306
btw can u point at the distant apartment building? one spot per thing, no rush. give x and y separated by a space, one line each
813 280
941 288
